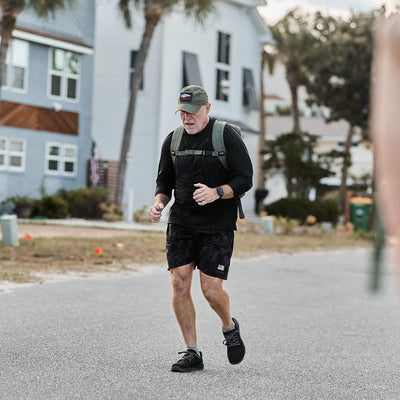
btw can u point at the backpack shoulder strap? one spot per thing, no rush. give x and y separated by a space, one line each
176 141
219 147
218 141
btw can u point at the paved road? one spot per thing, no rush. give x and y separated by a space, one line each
312 332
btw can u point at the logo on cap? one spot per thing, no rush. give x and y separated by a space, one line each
186 97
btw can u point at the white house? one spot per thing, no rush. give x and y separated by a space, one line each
223 55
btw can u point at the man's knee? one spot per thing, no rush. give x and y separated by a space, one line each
181 278
211 288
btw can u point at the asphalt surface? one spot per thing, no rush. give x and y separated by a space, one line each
311 327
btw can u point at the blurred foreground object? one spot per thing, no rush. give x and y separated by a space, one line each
385 126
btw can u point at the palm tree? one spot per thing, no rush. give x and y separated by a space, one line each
293 42
10 9
153 10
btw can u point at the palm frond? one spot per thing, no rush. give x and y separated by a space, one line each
200 9
43 8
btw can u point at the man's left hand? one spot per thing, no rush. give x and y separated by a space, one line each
204 195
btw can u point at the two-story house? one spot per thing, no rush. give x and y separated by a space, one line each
45 119
223 55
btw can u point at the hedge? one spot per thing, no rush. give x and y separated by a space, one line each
295 208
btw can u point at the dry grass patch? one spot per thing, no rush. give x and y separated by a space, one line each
253 243
61 255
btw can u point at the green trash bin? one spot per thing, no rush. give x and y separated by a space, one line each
360 216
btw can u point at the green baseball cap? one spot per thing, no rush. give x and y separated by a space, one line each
191 98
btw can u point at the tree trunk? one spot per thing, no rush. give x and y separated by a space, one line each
293 86
295 106
261 137
152 16
289 186
261 192
345 168
7 27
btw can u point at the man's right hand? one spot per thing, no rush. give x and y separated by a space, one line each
155 212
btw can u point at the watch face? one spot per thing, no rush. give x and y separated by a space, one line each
220 191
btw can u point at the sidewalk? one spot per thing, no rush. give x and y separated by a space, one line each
76 227
78 222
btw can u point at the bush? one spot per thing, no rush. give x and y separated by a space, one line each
84 203
50 207
323 210
111 212
20 205
142 214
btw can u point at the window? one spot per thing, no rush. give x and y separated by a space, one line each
223 84
15 73
223 48
132 69
223 56
12 154
3 153
191 71
249 91
64 74
61 159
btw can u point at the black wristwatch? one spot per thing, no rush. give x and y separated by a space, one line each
220 191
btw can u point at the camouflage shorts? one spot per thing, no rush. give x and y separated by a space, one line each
211 251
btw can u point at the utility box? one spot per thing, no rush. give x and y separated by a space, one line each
9 230
360 213
267 224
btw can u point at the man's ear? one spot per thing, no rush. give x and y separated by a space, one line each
208 107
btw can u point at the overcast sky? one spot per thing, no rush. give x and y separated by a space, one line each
276 9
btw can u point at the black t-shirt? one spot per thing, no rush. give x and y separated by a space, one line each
190 169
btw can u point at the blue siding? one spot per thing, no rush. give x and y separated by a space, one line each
76 23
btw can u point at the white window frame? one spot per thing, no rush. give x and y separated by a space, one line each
132 69
61 159
65 159
4 153
64 75
10 70
224 48
223 66
9 153
249 94
220 91
190 69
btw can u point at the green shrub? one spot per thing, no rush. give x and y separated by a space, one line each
20 205
84 202
50 207
300 209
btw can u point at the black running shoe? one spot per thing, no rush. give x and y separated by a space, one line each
189 362
235 345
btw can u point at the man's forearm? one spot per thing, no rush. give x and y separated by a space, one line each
161 198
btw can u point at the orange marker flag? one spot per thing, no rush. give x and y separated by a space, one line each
28 236
98 250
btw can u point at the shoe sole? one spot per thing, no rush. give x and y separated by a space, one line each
191 369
